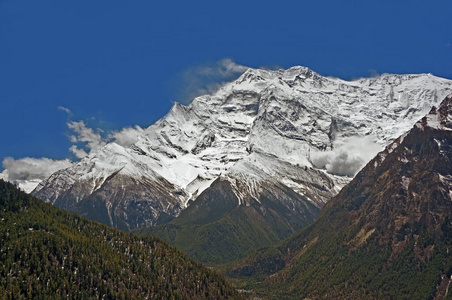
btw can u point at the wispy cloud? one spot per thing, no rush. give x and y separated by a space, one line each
65 109
373 73
87 140
206 79
223 68
126 136
27 172
92 141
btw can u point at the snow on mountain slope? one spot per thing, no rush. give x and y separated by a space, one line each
292 127
395 213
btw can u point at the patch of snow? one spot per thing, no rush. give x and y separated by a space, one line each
392 147
433 121
405 182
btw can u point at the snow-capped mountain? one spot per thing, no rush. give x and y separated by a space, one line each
292 128
389 230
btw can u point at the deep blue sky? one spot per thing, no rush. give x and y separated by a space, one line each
121 63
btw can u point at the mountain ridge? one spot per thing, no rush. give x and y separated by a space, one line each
386 235
294 118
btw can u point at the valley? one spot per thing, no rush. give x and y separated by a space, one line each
241 181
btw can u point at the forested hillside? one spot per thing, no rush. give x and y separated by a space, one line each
48 253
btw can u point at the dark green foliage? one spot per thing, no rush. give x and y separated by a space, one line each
47 253
216 229
329 266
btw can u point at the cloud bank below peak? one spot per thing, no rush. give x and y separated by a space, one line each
27 172
347 157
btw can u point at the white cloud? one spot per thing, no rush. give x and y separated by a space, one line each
206 78
65 109
32 168
223 68
28 172
126 136
94 141
86 135
79 153
347 157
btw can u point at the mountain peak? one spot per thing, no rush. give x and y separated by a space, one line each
254 75
300 70
295 118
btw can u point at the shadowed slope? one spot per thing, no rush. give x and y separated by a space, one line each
387 235
216 228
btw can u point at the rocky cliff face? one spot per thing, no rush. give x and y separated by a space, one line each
291 129
408 186
387 234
